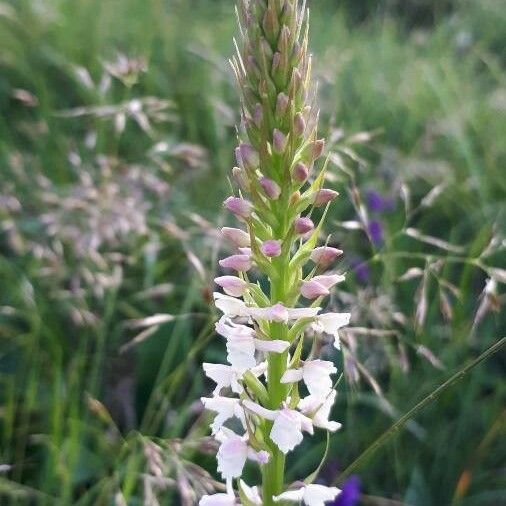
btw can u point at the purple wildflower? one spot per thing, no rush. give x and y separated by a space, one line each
362 270
377 203
376 232
350 492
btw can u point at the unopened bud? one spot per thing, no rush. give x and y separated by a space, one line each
303 225
279 140
258 115
240 263
271 248
236 236
300 172
240 207
232 285
295 198
271 188
324 255
318 147
281 105
240 178
276 61
249 156
312 290
324 196
299 125
319 286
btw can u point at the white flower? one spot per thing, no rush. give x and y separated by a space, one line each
311 495
225 408
330 323
218 500
242 344
230 306
226 376
233 453
319 411
288 425
316 376
233 307
251 493
303 312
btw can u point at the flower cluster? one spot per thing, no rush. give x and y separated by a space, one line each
280 388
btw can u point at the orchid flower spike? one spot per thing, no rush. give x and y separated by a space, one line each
262 324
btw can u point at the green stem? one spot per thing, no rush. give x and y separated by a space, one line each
274 472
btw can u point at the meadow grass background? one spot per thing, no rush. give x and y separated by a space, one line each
112 178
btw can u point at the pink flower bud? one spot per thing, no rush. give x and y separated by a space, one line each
271 248
240 178
240 263
318 147
271 188
278 141
258 115
232 285
300 172
236 236
319 286
299 125
324 196
303 225
240 207
325 255
281 104
312 290
249 156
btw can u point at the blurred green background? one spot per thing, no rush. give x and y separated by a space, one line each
117 129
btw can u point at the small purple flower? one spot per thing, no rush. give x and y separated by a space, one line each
350 493
377 203
362 271
376 232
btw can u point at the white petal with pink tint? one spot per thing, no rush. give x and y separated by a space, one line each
232 285
287 429
275 346
319 411
330 323
225 376
311 495
218 500
252 494
230 306
316 376
225 409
